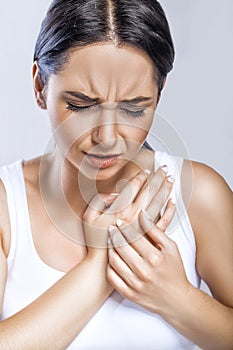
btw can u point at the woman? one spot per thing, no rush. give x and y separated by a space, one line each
125 272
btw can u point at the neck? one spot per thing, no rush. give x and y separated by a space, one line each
74 186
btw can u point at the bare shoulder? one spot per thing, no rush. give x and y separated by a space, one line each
210 212
209 191
5 227
207 186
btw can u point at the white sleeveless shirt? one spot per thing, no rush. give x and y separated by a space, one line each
119 324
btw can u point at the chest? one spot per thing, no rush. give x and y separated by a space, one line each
57 236
122 325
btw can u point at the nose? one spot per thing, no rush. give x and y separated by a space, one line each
106 131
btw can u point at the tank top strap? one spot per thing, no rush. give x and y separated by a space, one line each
10 176
175 164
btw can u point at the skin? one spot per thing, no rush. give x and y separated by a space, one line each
143 270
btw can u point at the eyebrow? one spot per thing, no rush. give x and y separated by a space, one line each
86 98
137 99
82 96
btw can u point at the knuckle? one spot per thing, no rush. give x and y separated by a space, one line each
147 274
144 273
131 295
155 259
138 286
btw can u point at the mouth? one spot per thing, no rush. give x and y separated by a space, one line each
102 161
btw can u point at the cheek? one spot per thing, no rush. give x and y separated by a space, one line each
56 106
71 132
134 137
56 113
67 127
138 130
135 134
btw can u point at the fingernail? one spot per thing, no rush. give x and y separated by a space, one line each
111 228
119 222
147 172
165 168
114 194
146 215
170 179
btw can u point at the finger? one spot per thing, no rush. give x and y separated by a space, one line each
121 268
167 216
159 199
150 188
138 266
117 283
98 204
138 241
129 192
125 251
102 201
153 232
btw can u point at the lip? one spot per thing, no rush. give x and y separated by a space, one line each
102 161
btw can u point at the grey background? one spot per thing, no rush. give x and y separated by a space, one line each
197 100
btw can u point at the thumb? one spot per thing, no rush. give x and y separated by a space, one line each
98 204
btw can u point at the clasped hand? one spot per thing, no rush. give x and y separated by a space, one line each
144 264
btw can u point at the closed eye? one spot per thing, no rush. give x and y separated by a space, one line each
75 108
136 114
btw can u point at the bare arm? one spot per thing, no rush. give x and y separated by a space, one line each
3 273
209 321
156 279
55 318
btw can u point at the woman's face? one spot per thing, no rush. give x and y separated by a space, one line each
101 106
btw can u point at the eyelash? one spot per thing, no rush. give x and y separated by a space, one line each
135 114
74 108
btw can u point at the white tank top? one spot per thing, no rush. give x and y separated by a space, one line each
119 324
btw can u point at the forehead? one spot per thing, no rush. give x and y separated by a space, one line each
105 71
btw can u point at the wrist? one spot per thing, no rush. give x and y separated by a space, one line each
173 311
98 255
98 259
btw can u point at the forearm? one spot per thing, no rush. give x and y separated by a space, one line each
56 318
202 319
